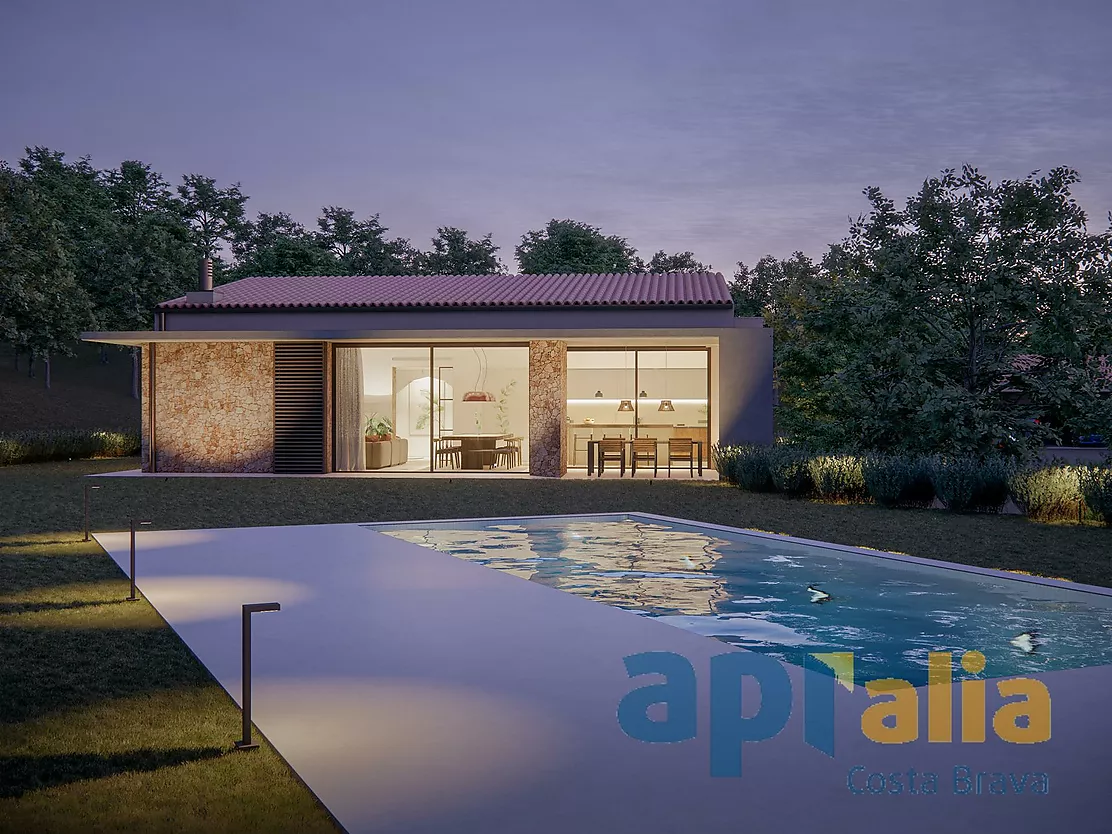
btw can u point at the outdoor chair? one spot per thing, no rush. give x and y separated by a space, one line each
448 452
644 449
611 449
681 450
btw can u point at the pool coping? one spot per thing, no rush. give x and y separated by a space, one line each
993 573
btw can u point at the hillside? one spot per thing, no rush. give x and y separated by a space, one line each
84 394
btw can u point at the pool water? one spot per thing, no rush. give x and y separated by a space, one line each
751 591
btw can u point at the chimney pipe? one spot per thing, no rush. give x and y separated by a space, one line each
206 275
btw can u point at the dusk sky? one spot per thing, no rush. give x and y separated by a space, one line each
732 128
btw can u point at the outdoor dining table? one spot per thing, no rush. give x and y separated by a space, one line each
592 453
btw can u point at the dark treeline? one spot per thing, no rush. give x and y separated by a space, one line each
86 249
977 318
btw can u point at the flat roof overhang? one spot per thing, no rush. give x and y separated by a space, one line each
136 338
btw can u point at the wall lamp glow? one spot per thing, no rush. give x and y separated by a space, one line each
87 488
133 523
246 743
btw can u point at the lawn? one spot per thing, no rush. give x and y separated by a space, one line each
108 722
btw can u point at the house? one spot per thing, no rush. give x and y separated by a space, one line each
427 373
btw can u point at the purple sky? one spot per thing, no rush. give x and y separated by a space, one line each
733 128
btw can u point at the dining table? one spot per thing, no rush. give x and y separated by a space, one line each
477 450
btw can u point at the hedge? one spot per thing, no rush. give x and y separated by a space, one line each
1096 488
1057 491
39 446
967 484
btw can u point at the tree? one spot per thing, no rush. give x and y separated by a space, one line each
276 244
567 246
956 323
361 247
73 195
152 252
214 214
42 306
784 292
339 231
680 262
453 253
136 191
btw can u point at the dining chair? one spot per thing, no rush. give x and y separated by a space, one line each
644 449
447 452
681 449
509 453
612 449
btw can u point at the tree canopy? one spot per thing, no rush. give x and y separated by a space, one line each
568 246
454 253
42 305
214 214
974 320
680 262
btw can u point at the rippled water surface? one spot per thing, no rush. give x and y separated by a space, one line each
752 591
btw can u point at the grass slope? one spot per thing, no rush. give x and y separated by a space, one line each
84 394
108 722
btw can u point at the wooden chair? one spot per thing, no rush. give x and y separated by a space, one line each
447 452
612 449
644 449
681 449
509 453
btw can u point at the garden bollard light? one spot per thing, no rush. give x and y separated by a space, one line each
245 743
133 523
87 488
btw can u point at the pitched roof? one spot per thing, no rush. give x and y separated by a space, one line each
393 291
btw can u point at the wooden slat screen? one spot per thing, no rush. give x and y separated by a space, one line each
299 412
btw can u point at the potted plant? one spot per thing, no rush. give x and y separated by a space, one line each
384 448
378 429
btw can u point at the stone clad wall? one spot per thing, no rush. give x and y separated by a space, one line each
548 395
214 407
144 408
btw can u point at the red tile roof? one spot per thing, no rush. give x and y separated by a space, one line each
632 290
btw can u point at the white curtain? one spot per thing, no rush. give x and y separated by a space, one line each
351 452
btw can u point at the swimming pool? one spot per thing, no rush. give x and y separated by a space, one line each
752 590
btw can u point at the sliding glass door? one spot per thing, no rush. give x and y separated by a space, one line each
381 409
427 408
482 408
637 392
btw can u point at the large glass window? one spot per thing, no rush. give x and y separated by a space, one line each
644 392
482 408
422 409
382 409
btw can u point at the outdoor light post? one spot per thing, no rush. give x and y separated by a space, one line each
87 488
245 743
133 523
